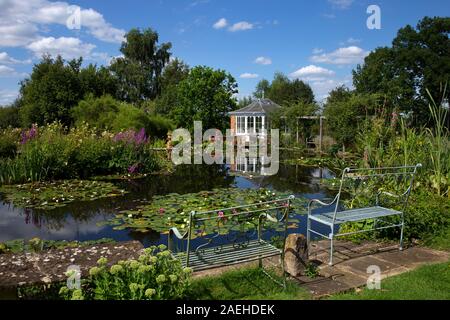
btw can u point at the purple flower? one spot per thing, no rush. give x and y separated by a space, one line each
132 137
133 168
29 134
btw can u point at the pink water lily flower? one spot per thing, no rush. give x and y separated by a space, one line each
220 214
162 210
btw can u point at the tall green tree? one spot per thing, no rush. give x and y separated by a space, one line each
140 68
51 91
205 95
345 111
55 87
419 59
285 91
173 74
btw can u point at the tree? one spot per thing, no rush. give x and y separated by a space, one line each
346 111
284 91
9 117
140 68
205 95
51 91
262 88
419 59
173 74
55 87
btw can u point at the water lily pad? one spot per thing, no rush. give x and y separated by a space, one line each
172 210
51 195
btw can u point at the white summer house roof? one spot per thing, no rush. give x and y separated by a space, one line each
257 107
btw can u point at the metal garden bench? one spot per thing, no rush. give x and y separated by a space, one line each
231 235
334 216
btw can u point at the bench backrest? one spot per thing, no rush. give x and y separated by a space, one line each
216 223
363 174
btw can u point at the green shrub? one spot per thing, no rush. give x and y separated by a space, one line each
156 275
53 153
8 143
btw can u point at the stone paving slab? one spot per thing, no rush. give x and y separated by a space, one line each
51 266
352 261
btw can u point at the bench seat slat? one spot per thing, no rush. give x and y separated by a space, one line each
208 258
354 215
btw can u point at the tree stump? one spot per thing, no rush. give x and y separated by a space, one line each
295 254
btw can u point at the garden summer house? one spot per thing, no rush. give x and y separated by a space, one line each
253 119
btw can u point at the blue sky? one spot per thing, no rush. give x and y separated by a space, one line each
319 41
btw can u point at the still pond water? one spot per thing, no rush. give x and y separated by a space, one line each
80 221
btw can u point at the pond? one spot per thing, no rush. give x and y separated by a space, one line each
83 220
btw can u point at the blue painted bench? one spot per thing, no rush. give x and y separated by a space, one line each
333 215
222 245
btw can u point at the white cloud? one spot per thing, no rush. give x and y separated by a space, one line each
317 51
312 73
7 96
241 26
6 71
342 56
263 60
249 75
21 21
5 58
68 48
341 4
221 23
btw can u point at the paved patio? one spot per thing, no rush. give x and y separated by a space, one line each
351 261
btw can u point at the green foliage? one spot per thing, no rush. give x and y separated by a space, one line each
98 112
8 143
175 72
311 271
284 91
419 58
81 152
139 70
287 117
346 112
9 117
205 95
172 210
55 87
106 113
156 275
51 195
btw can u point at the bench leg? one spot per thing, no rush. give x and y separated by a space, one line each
308 236
401 236
331 249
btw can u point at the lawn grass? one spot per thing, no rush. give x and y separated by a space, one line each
244 284
429 282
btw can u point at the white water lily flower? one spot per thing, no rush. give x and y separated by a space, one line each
130 215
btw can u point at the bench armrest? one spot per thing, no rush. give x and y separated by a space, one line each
322 203
177 233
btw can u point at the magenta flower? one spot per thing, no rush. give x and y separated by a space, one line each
29 134
220 214
133 168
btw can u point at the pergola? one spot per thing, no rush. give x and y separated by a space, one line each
320 118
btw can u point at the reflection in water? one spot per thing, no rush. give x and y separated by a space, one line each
83 220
